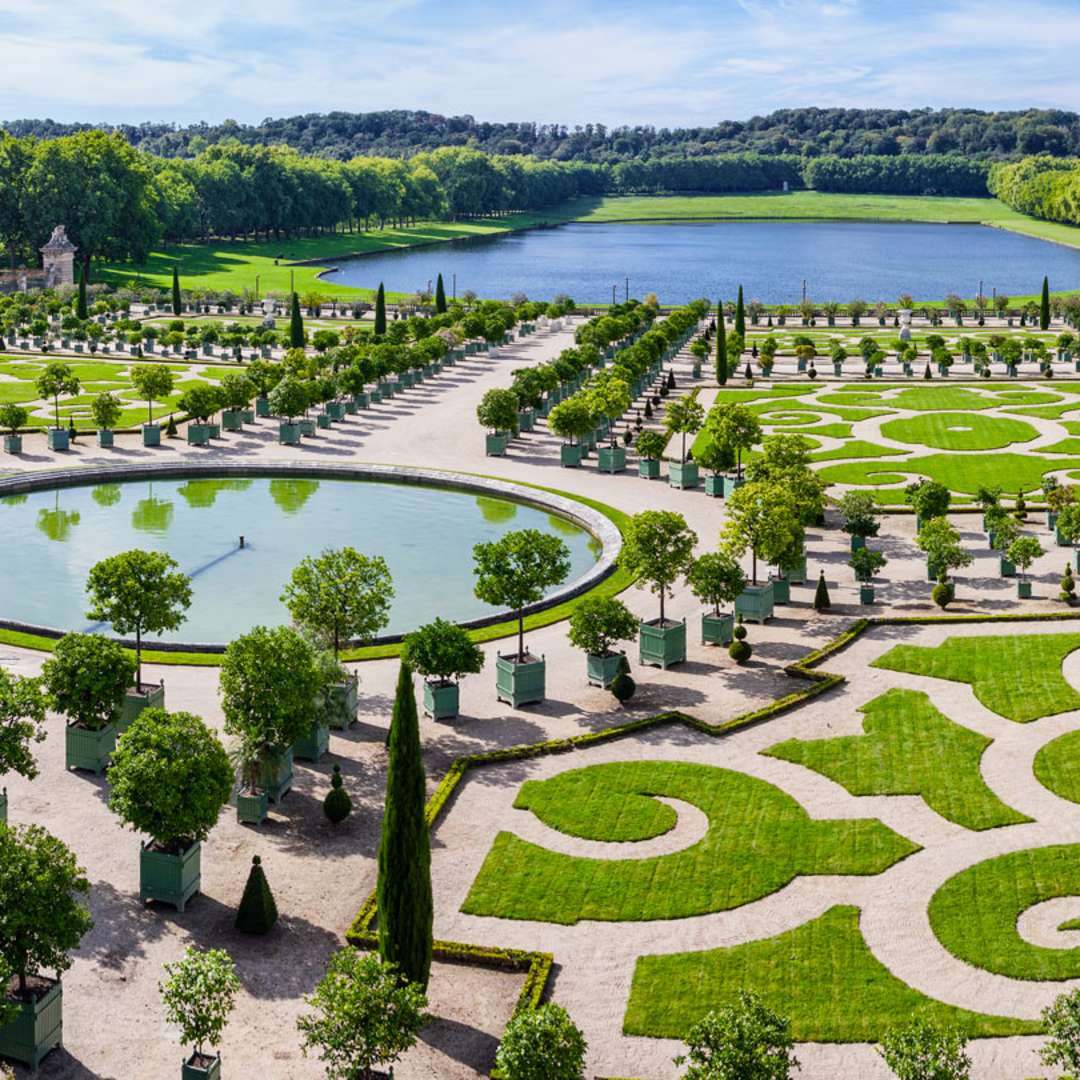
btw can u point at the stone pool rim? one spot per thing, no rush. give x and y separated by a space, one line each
594 522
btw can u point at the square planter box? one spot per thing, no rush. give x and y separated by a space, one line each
192 1071
717 629
59 439
343 703
649 468
146 696
313 743
361 401
172 879
526 419
247 416
215 430
781 589
252 807
85 749
866 593
232 420
12 444
104 438
262 406
683 474
1062 540
307 426
755 603
288 434
715 486
520 682
1051 519
441 699
389 389
612 459
198 434
495 445
151 435
277 776
1007 569
797 574
1023 590
324 420
662 644
375 395
601 670
570 456
37 1029
335 410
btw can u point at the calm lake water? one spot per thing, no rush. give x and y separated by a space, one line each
425 534
839 260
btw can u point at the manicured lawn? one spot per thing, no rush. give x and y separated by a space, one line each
727 397
857 448
909 748
826 431
958 431
1018 676
1069 446
974 913
1057 766
758 840
820 975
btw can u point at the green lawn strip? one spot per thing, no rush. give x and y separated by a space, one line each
17 393
1070 446
811 409
1057 766
859 399
974 914
958 431
728 397
821 976
935 398
826 431
1045 412
1017 676
909 748
858 448
759 839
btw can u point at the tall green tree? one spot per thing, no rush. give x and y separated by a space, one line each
296 324
721 346
1044 305
404 887
380 310
440 296
740 316
177 307
81 311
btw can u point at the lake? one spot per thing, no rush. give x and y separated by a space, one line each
839 260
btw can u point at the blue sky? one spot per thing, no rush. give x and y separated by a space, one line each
609 61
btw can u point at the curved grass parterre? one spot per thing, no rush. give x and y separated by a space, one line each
958 431
1057 766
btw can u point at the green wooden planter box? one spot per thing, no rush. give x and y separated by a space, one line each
1051 519
683 474
277 776
59 439
717 629
866 593
1023 590
601 670
570 456
151 434
1076 559
1061 538
190 1071
612 459
215 430
755 603
858 543
441 699
349 406
262 406
37 1029
1007 569
526 420
520 683
232 420
288 434
797 574
715 486
12 444
147 697
649 468
662 645
495 445
91 750
343 703
324 421
375 395
307 426
172 879
252 807
247 416
104 437
389 389
781 589
313 743
361 401
198 434
335 410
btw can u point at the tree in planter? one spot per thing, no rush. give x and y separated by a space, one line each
745 1040
860 514
573 419
290 398
649 445
684 416
598 622
658 548
921 1050
22 722
928 498
866 563
237 390
200 402
763 519
106 409
442 651
154 382
13 417
138 592
498 411
365 1014
542 1044
785 463
944 553
1023 551
517 570
403 889
340 595
86 678
199 992
56 381
716 579
735 427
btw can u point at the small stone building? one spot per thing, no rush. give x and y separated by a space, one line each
58 259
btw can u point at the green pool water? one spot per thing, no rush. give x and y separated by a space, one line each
426 534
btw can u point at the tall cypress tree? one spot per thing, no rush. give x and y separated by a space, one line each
380 310
80 302
296 325
440 296
721 346
404 887
1044 306
176 306
740 316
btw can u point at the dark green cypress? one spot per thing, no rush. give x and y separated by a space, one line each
80 302
405 909
740 316
821 595
176 305
440 296
721 346
380 310
296 325
1044 306
257 912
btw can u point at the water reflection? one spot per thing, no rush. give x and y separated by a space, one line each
201 494
292 495
106 494
57 524
496 511
153 516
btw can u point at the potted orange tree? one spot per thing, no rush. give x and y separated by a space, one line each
199 993
442 652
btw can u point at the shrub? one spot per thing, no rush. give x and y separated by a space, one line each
86 679
1062 1022
658 547
198 996
821 594
715 579
1068 586
13 417
598 622
106 409
498 411
258 911
337 805
442 650
650 444
740 650
623 687
922 1051
942 594
22 721
542 1044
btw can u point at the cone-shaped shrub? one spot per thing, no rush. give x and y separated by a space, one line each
337 805
1044 305
821 595
440 296
740 316
258 912
721 346
380 310
177 307
296 325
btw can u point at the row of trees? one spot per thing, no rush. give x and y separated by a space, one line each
1043 186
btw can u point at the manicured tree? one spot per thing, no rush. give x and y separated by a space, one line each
542 1044
745 1040
106 409
650 445
440 296
517 569
573 419
721 346
257 912
684 416
404 885
763 519
13 417
498 411
928 498
237 390
138 592
735 427
198 993
1061 1020
365 1014
296 324
1044 305
740 650
81 311
1023 551
42 917
920 1050
785 463
86 678
55 381
177 307
380 311
1068 586
866 563
22 722
598 622
154 382
340 595
821 594
289 398
337 805
442 651
658 548
716 579
860 514
200 402
941 544
740 316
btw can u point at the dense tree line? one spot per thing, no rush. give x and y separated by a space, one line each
910 174
807 132
1043 186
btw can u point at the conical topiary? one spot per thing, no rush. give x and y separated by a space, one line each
821 595
337 805
257 912
1068 586
170 427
